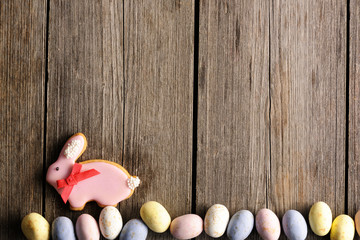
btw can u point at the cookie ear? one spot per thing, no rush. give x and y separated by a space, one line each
73 148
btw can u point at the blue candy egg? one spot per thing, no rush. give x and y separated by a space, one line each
62 229
294 225
134 229
240 226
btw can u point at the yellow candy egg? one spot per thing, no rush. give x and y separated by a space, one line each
343 228
320 218
155 216
35 227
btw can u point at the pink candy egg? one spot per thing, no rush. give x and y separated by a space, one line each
187 226
87 228
268 224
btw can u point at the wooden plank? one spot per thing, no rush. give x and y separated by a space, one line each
85 88
354 109
233 114
159 37
308 105
22 79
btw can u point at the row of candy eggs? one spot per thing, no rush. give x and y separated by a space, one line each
190 226
216 221
242 223
268 224
36 227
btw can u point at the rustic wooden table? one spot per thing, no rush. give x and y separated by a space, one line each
251 103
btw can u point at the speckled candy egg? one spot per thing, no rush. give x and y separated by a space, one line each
134 229
294 225
320 218
110 222
155 216
216 220
187 226
87 228
268 224
357 222
240 226
342 228
35 227
62 229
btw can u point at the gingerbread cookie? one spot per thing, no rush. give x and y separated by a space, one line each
102 181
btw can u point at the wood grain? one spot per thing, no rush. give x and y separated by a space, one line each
308 105
85 88
22 79
354 109
271 114
233 114
159 37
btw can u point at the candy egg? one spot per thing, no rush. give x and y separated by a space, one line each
134 229
87 228
268 224
294 225
110 222
357 222
155 216
216 220
187 226
62 229
342 228
240 226
35 226
320 218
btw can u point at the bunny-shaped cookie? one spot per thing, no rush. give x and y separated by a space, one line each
102 181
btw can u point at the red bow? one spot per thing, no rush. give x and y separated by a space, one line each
73 179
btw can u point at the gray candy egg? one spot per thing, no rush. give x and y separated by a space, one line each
240 226
62 229
294 225
134 229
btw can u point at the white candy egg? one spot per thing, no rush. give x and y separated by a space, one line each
216 220
110 222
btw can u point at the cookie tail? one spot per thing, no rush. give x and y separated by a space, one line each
133 182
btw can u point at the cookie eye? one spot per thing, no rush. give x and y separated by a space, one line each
57 168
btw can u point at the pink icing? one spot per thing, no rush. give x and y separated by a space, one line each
108 188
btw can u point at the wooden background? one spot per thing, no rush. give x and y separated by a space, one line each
248 103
